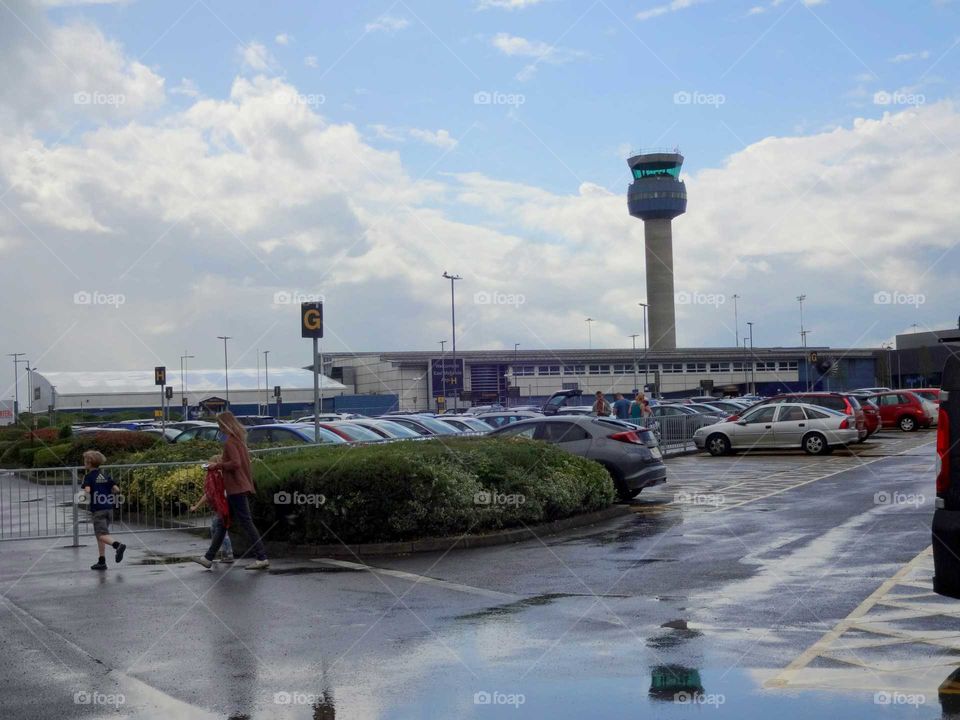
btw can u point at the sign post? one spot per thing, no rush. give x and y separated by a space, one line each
160 379
311 326
276 394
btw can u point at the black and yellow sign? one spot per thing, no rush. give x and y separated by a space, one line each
160 375
311 320
813 357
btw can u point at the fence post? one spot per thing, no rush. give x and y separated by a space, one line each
75 484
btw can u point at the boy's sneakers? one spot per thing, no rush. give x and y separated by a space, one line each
258 565
119 554
203 561
99 565
227 559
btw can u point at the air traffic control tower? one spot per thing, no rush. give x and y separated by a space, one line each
657 195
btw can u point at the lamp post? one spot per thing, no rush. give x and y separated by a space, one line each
633 339
226 369
29 391
646 362
589 322
453 327
803 333
266 379
753 363
736 322
183 382
16 385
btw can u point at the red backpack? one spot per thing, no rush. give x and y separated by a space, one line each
216 496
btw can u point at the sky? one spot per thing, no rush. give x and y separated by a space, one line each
174 171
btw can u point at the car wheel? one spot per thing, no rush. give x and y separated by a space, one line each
815 444
907 423
718 444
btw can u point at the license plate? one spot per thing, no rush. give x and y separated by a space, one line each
656 453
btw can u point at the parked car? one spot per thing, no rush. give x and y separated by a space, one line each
632 458
253 420
575 410
727 407
871 415
329 417
187 424
207 431
351 432
387 428
870 391
841 402
902 409
290 434
528 408
559 400
708 409
817 430
478 409
678 422
931 394
424 424
499 419
465 423
168 434
946 516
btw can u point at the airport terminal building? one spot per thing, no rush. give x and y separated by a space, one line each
429 380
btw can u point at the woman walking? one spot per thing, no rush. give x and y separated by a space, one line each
238 484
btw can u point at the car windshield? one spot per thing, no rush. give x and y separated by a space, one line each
395 429
437 426
326 436
357 432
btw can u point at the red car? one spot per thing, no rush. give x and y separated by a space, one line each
841 402
902 409
871 415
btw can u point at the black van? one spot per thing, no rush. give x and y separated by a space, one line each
946 517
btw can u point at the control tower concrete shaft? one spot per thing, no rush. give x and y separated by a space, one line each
657 195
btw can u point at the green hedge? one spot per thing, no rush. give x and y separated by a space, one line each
409 490
52 456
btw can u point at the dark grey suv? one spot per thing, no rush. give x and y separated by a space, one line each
630 454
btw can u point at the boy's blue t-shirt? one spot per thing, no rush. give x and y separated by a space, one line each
101 490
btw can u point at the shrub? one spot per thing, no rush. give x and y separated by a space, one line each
52 456
65 432
11 456
402 491
47 435
115 445
26 453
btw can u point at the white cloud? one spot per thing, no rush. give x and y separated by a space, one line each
507 4
516 46
440 138
387 24
908 56
187 87
255 56
282 39
311 61
670 7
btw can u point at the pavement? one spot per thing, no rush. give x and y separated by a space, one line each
754 585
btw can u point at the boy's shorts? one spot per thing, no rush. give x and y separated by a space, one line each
101 522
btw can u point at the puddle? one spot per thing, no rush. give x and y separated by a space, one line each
312 569
520 605
166 559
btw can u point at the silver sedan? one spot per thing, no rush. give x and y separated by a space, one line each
815 429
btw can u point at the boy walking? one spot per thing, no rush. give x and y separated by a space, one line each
215 496
101 492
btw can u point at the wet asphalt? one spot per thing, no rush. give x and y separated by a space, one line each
677 610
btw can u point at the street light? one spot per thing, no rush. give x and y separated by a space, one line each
736 322
589 322
753 363
453 328
803 333
633 338
646 362
226 369
29 391
16 385
183 382
266 379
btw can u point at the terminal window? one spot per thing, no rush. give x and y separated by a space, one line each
719 367
656 170
697 367
573 369
766 366
549 370
524 370
673 367
787 365
599 369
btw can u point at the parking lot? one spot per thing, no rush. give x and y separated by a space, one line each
752 585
